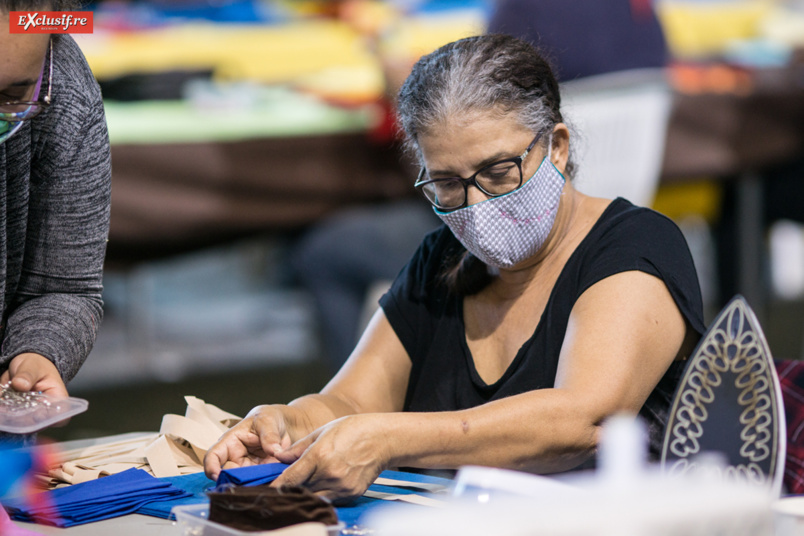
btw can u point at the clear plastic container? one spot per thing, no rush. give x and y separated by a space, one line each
193 521
41 412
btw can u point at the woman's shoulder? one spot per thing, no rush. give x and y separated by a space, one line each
72 75
628 237
624 221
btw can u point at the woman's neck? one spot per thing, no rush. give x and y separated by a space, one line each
577 213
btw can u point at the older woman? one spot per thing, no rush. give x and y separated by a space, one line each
518 327
55 175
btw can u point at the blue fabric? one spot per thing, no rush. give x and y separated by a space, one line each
14 465
352 514
104 498
254 475
196 485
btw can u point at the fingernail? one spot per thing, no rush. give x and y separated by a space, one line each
276 447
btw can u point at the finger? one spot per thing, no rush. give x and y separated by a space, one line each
273 437
33 372
4 379
23 380
229 449
239 446
297 474
212 463
296 450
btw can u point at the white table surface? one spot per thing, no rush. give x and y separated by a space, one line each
130 525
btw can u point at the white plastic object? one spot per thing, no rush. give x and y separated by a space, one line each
623 450
484 485
45 412
789 516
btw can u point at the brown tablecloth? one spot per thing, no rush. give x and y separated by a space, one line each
167 198
719 136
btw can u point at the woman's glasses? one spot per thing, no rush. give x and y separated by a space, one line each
16 111
494 180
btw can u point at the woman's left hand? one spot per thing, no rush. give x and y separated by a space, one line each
340 460
34 372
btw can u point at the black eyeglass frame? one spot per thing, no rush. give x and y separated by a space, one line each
41 105
518 160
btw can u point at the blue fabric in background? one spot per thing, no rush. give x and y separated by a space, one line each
95 500
196 485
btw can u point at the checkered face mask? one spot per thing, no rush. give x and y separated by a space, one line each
504 231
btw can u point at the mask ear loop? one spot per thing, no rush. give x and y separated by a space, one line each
550 148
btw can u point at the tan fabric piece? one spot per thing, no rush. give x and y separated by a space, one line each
178 448
160 458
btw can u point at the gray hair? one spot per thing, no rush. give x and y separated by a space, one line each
496 74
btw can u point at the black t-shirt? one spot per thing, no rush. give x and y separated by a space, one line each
428 319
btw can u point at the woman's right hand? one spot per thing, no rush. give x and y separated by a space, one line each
257 439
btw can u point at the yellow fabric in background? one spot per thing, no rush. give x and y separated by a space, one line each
700 197
324 56
271 54
416 36
695 29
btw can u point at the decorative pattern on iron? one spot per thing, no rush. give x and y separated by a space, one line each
733 350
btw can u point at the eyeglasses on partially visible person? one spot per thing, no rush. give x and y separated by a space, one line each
55 172
14 112
496 179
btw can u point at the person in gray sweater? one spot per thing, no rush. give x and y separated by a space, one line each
55 195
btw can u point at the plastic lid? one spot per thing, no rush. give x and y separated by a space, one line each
27 412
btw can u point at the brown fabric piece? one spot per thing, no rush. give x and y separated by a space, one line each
256 508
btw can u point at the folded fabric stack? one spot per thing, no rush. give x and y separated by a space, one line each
95 500
196 486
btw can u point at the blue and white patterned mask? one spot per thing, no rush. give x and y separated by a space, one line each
504 231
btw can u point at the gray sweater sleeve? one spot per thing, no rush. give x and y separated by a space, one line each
57 307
